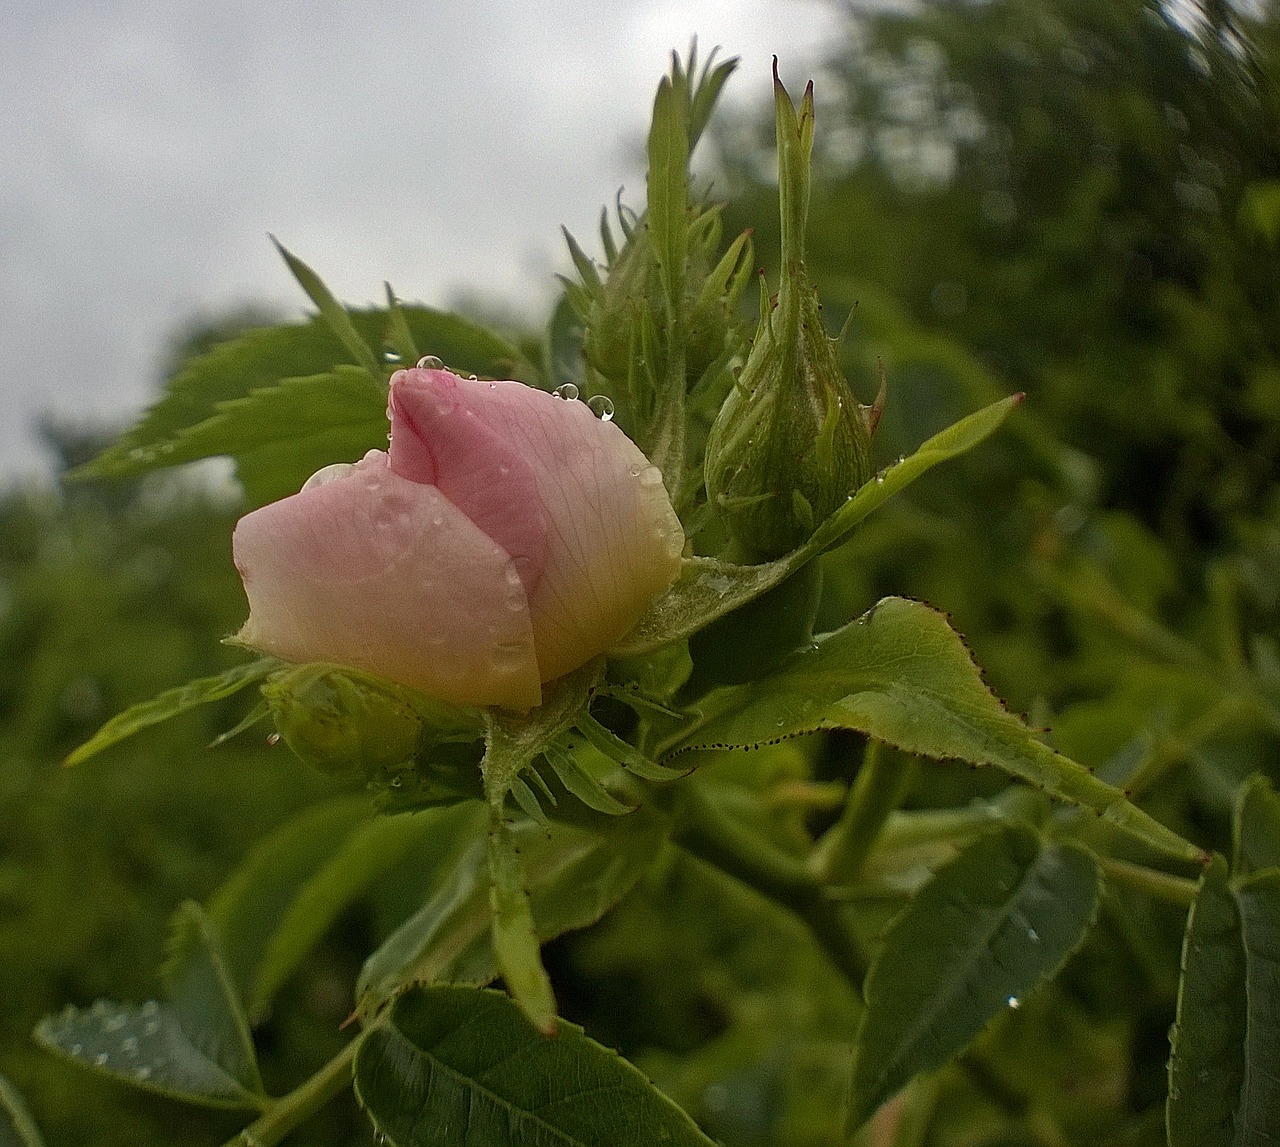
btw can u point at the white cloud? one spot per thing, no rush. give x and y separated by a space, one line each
151 147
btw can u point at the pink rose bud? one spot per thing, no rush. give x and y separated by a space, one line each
507 537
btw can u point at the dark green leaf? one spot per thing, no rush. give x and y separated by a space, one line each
17 1128
457 1067
1207 1063
902 675
1257 827
203 998
1258 1116
170 703
990 927
145 1046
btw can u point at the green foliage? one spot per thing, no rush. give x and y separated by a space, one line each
472 1061
988 930
693 852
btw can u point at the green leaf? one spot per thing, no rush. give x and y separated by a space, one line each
574 876
280 435
582 784
457 1066
196 1047
294 884
263 358
256 359
145 1046
1256 831
708 589
170 703
203 997
992 925
902 675
399 337
1224 1069
668 208
17 1128
332 312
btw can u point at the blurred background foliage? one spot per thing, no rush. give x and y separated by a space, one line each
1075 198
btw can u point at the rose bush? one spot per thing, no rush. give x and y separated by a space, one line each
506 537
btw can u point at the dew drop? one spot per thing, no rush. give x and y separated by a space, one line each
650 476
513 576
77 1048
430 362
601 406
129 1045
473 378
568 391
143 1072
100 1059
151 1027
273 739
390 354
114 1023
99 1009
879 479
1014 1002
396 782
327 474
1033 935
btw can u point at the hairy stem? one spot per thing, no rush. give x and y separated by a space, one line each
287 1112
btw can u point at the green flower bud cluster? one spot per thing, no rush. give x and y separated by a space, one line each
791 443
660 321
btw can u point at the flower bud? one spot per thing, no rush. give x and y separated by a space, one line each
791 443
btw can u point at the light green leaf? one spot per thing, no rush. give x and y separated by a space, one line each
668 208
708 588
203 997
582 784
1224 1069
332 312
902 675
230 370
1256 831
457 1067
145 1046
400 338
992 925
170 703
280 435
17 1128
574 876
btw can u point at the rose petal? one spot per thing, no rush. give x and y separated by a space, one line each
439 435
613 541
377 572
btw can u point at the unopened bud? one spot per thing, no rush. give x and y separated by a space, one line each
791 443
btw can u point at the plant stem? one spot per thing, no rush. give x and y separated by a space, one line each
703 830
879 788
287 1112
1160 885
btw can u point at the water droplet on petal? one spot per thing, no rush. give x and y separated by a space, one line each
650 476
328 474
509 656
430 362
601 406
473 378
567 390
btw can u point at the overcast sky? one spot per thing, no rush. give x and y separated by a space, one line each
149 146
